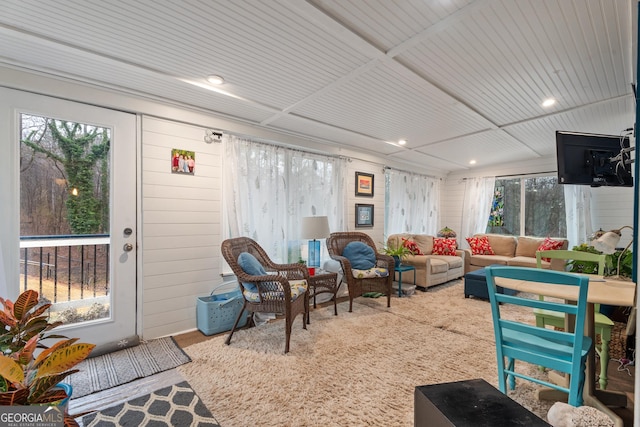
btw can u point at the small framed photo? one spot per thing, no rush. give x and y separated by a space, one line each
364 215
364 184
183 161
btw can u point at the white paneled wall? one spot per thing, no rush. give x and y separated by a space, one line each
613 208
181 217
377 231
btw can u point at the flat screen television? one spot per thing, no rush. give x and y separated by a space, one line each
592 159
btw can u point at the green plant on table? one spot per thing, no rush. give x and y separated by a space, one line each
27 378
398 252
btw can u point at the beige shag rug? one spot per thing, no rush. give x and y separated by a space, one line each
354 369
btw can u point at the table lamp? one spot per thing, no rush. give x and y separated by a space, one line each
608 241
314 228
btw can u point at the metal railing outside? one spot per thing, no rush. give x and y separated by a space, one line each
65 267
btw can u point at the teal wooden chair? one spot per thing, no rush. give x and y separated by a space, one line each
603 325
560 350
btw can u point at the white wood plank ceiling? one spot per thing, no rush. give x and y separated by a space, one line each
459 79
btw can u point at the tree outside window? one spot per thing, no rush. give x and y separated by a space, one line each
529 207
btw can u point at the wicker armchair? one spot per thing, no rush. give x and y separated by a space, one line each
274 289
357 286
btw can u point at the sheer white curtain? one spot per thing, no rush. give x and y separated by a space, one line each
577 201
268 189
478 196
412 203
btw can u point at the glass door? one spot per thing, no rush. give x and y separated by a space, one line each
76 206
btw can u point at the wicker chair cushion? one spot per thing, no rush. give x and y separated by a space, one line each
370 273
360 255
298 287
250 265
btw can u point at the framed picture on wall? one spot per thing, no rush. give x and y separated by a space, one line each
364 215
364 184
183 161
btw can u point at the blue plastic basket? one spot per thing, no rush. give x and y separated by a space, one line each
217 312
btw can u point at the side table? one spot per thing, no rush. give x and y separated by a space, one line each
400 269
469 403
323 282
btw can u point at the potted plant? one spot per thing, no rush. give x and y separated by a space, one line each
31 372
398 252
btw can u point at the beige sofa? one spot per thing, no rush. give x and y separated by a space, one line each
509 250
431 269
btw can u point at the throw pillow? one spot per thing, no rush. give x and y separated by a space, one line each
480 245
550 245
360 255
444 246
250 265
412 246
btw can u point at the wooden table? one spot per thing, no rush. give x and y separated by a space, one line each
601 291
323 282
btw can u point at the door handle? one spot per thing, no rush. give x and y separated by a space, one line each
128 247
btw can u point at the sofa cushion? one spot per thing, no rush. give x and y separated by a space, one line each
444 246
480 245
452 261
424 242
485 260
360 255
412 246
550 245
502 245
395 240
522 261
527 246
439 266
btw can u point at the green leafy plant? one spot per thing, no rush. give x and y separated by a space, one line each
611 262
397 251
27 378
585 267
626 264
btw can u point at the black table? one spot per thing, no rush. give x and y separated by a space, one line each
470 403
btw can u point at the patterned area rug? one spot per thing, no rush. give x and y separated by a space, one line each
176 405
120 367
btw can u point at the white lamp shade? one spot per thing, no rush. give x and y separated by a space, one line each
607 242
314 227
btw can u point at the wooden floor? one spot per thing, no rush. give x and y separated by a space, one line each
620 379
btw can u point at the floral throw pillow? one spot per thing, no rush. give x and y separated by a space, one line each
480 245
412 246
444 246
550 245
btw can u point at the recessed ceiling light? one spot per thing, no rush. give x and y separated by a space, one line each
215 80
402 141
472 162
548 102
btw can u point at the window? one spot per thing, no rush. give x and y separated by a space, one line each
271 188
529 207
411 203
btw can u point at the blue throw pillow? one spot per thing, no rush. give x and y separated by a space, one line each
360 255
250 265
